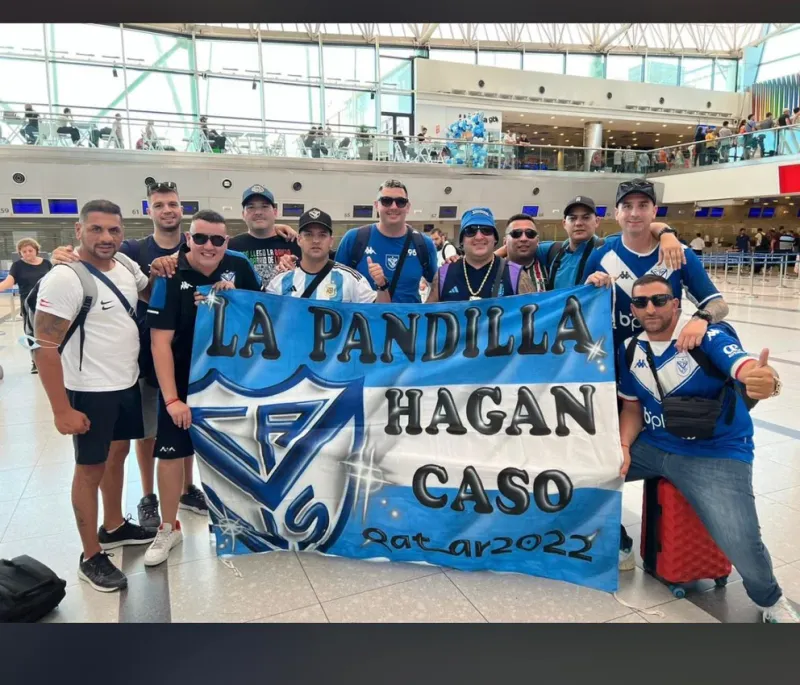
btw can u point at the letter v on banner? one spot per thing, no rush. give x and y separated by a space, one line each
331 444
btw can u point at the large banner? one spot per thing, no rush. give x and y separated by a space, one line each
474 435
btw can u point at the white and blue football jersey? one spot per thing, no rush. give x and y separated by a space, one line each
680 375
626 266
342 284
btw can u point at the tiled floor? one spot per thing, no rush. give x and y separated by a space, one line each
36 519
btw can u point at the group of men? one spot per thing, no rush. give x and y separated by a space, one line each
126 376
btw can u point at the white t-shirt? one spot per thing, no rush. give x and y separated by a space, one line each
697 244
448 250
111 348
342 284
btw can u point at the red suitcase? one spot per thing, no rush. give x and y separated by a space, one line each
676 548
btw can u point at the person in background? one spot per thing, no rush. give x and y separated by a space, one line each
150 137
617 168
795 116
66 124
742 242
215 141
629 159
26 273
445 250
765 125
31 129
714 474
400 142
643 163
509 141
700 147
780 134
698 244
712 140
422 136
725 142
680 161
785 240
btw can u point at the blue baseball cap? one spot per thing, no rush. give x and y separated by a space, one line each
478 216
258 191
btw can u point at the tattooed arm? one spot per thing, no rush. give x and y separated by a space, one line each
49 331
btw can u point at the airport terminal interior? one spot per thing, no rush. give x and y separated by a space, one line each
514 117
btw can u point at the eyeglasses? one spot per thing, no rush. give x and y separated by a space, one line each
203 238
472 231
516 234
658 300
163 187
401 202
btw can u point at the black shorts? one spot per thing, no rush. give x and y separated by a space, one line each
114 415
172 442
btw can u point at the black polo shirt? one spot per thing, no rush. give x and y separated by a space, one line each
172 306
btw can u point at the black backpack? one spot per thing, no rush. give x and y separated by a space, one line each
29 590
362 240
703 361
556 253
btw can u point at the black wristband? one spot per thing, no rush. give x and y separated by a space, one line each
704 315
667 230
381 288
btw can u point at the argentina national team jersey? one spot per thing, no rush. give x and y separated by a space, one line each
680 375
342 284
626 266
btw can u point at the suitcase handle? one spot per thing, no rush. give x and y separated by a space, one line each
652 514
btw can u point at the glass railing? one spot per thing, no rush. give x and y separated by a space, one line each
759 144
163 132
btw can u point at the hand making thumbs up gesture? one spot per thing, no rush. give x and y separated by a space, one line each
376 272
760 380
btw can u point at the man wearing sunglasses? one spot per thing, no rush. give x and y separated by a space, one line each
635 252
165 210
317 277
704 443
522 247
404 254
480 273
265 243
171 314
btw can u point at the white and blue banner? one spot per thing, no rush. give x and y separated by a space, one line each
475 435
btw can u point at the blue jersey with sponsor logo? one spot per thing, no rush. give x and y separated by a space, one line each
386 252
680 375
626 266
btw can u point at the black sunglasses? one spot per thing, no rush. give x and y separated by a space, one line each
163 187
399 201
472 231
530 234
657 300
203 238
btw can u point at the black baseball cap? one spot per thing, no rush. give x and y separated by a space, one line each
637 185
316 217
581 201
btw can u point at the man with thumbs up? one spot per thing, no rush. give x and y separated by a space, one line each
317 277
686 418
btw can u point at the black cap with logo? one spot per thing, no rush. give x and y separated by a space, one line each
637 185
580 201
316 217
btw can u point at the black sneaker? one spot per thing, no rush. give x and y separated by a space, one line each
127 534
33 368
148 512
101 574
194 501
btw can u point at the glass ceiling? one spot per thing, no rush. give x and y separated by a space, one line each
720 40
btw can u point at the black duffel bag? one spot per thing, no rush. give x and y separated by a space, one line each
29 590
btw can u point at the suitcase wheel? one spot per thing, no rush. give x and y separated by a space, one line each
721 582
677 591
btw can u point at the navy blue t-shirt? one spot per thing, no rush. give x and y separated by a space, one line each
386 252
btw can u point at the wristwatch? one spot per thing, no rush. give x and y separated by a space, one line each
383 287
667 229
704 315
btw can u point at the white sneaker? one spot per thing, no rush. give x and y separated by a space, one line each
627 560
166 538
781 612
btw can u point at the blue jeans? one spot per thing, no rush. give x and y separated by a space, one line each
721 493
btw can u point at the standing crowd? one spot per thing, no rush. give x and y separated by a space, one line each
113 325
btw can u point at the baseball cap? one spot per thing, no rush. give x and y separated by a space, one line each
478 216
581 201
258 191
638 185
316 217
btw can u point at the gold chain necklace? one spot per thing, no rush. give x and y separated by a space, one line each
475 294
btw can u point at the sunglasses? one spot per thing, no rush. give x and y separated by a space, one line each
657 300
401 202
203 238
472 231
163 187
517 233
